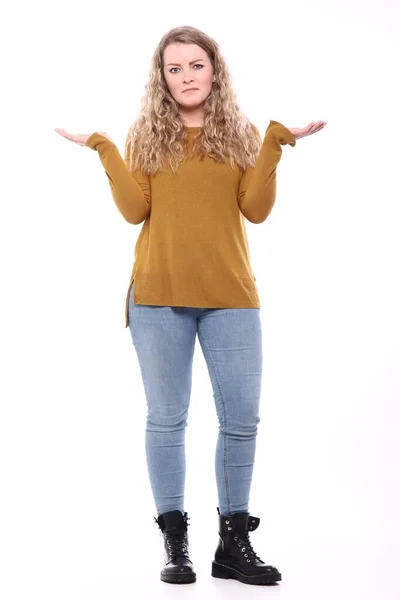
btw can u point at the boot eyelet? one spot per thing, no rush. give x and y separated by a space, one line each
229 528
227 522
246 555
243 549
235 538
253 521
248 560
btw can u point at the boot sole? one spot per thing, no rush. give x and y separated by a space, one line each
179 578
225 572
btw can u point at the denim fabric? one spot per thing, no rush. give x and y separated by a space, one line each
231 341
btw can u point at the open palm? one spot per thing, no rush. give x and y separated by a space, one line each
308 130
79 138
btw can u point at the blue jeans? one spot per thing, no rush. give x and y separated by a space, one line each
231 341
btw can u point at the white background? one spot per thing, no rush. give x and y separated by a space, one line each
76 508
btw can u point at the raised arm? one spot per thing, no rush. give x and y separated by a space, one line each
131 192
257 187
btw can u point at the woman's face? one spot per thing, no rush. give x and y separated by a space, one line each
187 66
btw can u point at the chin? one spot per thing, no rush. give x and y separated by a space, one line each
192 101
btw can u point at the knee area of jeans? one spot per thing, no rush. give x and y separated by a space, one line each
239 432
163 423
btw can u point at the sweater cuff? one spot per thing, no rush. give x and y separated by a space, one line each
281 133
95 139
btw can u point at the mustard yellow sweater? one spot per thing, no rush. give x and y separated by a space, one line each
193 249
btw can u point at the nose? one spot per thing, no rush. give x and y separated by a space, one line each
187 78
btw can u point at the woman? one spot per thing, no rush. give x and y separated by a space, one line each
194 169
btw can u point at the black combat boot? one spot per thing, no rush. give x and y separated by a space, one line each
178 567
235 557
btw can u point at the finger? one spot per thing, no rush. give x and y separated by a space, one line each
317 128
64 133
71 137
307 129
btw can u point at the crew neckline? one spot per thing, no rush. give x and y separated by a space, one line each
193 128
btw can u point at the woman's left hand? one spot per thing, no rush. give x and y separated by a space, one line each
308 130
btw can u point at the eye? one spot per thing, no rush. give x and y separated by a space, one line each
196 65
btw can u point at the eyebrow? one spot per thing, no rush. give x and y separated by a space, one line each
191 63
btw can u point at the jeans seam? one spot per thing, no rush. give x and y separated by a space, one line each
224 436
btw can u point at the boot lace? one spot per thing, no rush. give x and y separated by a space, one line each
176 543
247 549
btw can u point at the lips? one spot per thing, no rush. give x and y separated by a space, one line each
190 90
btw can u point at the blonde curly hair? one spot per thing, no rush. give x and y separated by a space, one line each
158 135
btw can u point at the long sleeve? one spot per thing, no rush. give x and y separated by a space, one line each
131 192
257 187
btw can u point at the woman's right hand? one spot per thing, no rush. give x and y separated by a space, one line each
80 138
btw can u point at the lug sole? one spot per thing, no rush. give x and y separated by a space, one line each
178 577
225 572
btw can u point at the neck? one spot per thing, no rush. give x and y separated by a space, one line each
192 117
